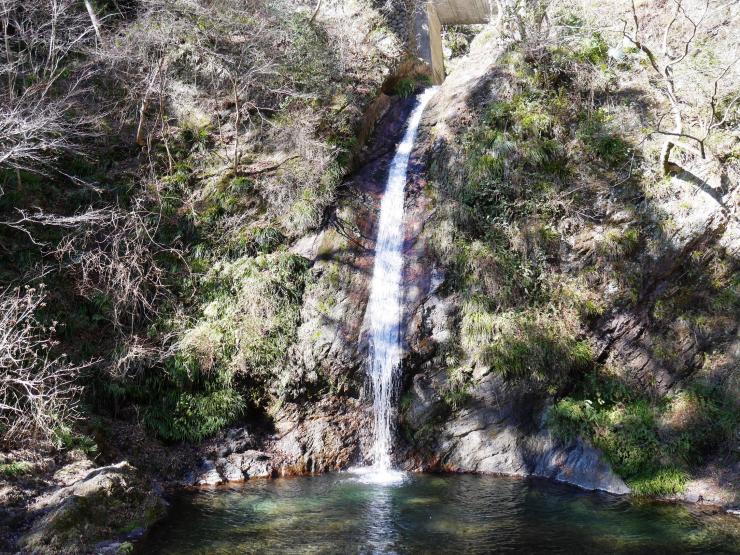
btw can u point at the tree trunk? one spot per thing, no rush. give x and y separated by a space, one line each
665 152
315 12
236 127
140 139
93 18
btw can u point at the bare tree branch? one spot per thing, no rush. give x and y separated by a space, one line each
38 390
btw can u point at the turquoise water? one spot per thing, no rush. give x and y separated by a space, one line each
336 513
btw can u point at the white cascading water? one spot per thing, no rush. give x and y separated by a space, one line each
384 306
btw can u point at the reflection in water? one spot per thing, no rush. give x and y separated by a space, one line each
382 535
430 514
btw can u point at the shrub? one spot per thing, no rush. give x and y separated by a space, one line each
618 243
405 87
628 429
707 422
627 434
66 438
184 416
593 49
629 438
456 394
599 139
525 347
665 481
38 388
539 353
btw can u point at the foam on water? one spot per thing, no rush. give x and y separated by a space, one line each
379 476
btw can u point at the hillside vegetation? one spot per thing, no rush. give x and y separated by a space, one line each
591 250
155 167
161 159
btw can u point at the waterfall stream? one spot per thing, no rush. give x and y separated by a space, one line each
385 310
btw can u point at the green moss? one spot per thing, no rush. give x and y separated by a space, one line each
15 469
665 481
596 133
405 87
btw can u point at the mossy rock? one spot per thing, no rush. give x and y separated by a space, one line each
107 503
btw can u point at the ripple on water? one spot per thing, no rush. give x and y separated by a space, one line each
342 513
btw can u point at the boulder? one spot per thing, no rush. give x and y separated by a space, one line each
208 475
104 504
230 471
501 430
71 473
575 463
256 464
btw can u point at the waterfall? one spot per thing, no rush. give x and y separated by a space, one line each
384 306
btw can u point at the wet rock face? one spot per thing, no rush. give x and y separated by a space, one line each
331 349
101 505
334 435
501 430
329 435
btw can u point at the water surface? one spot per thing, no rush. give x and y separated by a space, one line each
338 513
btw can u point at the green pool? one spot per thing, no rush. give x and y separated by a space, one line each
338 513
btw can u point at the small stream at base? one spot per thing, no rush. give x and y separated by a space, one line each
337 513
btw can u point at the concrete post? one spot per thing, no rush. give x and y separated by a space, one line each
435 45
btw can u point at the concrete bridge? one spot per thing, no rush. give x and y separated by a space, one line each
436 14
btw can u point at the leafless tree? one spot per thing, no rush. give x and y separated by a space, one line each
116 254
315 11
93 18
110 251
40 93
38 390
678 37
25 221
523 20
